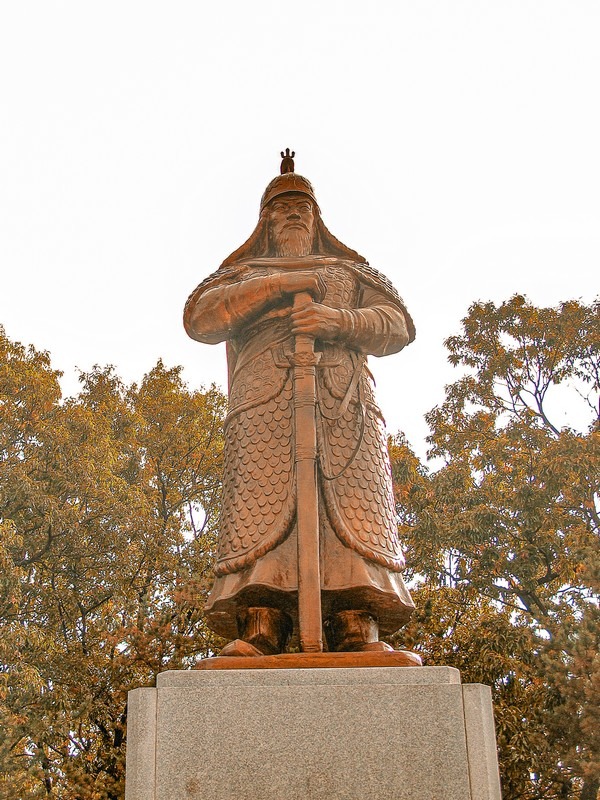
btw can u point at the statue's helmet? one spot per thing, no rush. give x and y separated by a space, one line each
288 182
285 184
324 243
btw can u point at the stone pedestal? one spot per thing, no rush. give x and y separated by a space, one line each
403 733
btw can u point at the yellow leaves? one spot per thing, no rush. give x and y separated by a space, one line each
515 354
102 587
503 541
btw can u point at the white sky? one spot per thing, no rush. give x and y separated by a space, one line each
455 144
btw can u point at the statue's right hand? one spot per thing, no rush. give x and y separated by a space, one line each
295 282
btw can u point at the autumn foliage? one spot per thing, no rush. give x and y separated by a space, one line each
504 536
108 505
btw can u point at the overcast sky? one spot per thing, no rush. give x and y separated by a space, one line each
454 144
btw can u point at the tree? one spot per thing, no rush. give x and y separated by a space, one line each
108 506
503 539
108 503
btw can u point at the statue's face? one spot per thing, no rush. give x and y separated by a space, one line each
291 224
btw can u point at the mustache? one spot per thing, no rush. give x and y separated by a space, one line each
296 224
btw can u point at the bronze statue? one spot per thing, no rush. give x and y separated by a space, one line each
308 532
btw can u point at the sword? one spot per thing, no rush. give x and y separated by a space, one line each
304 361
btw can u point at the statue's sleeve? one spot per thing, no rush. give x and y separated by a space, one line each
213 314
378 327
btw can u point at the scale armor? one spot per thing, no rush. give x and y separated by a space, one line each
259 489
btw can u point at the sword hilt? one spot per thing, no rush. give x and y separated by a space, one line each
305 343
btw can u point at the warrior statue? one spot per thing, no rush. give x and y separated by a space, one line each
293 280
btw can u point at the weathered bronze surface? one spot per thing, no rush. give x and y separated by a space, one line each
390 658
308 534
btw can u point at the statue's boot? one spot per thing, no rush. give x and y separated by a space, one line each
262 631
238 647
351 631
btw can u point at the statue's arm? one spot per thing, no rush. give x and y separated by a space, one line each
215 314
378 327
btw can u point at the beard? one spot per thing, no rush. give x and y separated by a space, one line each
293 242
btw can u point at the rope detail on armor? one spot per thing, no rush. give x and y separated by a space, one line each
327 475
349 392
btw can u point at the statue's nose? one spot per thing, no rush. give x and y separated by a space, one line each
293 215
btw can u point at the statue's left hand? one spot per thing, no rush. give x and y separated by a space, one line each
317 320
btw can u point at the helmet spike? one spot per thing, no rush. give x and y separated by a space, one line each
287 163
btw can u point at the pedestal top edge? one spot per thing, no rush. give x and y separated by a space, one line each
198 679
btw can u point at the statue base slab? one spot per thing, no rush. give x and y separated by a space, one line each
389 658
413 733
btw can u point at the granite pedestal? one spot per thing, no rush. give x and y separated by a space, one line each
408 733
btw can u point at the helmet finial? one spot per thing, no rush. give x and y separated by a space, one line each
287 163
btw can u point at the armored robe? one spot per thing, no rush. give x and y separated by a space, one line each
247 302
360 554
